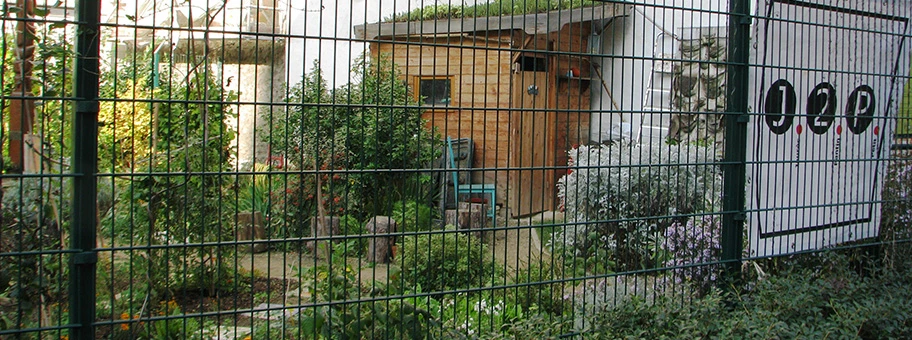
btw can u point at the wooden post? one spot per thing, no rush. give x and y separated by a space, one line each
380 247
250 227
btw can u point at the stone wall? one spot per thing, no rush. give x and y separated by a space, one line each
698 91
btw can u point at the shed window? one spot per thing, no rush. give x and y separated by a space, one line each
435 91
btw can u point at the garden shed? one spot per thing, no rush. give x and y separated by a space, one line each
518 85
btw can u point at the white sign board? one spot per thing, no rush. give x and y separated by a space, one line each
826 92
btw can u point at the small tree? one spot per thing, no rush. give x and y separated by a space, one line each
372 124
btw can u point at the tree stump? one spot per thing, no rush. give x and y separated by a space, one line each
380 247
250 227
329 227
468 216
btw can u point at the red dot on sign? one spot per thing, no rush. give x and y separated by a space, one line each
798 129
876 130
838 129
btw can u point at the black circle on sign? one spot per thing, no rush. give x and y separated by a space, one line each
860 109
780 106
821 108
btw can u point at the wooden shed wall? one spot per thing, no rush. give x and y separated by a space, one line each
480 68
481 91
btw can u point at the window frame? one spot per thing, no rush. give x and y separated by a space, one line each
417 93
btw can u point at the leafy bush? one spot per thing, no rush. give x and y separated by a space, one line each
412 216
833 303
477 314
444 261
349 318
896 211
540 295
163 210
623 197
362 131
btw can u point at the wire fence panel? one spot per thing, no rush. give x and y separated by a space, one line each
259 169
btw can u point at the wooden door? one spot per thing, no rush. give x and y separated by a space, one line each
532 145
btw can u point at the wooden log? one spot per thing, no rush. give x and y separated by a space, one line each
468 216
380 247
250 227
329 227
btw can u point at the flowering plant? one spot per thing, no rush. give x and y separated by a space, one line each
692 244
623 196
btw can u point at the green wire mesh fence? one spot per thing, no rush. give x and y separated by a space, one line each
258 169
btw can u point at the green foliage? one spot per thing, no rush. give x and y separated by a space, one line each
373 124
191 136
540 294
444 261
904 121
31 222
493 8
412 216
896 210
350 319
477 314
52 79
828 302
535 326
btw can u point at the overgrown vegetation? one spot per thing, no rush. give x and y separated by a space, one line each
493 8
826 301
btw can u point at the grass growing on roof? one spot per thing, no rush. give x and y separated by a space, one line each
493 8
904 125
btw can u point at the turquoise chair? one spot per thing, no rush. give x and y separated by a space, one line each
485 189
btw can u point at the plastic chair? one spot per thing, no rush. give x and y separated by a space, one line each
485 189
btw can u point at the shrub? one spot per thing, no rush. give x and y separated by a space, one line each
376 125
834 303
477 314
412 216
444 261
540 295
624 197
896 211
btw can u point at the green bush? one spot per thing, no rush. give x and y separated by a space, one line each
444 261
363 131
545 297
809 303
412 216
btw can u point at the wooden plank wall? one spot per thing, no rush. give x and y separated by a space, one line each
572 95
480 68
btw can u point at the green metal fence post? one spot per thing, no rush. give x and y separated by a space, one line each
85 167
735 138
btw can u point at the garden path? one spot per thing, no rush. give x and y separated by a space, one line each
514 248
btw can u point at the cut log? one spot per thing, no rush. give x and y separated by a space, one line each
380 247
329 227
250 227
468 216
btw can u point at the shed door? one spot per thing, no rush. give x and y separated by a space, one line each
532 140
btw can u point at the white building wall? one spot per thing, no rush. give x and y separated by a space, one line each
626 65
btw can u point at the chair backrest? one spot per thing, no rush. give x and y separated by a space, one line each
452 162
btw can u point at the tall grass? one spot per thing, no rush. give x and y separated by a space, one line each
493 8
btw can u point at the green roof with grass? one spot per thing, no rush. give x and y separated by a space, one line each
490 9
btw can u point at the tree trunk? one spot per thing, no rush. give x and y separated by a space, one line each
250 228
